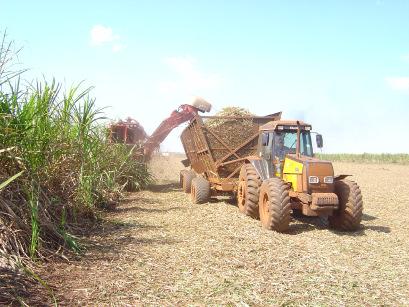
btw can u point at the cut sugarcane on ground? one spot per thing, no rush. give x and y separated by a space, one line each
157 248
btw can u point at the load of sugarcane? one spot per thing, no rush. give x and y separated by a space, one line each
232 125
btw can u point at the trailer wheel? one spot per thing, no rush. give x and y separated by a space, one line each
181 177
187 180
275 206
248 191
349 214
200 190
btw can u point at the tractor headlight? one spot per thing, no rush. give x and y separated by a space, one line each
329 179
313 179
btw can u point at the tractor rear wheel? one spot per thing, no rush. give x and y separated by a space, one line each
349 214
248 191
274 205
187 180
200 190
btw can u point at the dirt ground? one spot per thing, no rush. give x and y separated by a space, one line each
158 249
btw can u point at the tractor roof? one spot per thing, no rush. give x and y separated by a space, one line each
285 123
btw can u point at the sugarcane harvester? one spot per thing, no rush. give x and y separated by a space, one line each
183 114
273 172
131 133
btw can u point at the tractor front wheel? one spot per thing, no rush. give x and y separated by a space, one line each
248 191
274 205
349 214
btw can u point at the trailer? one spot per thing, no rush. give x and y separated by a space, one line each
216 155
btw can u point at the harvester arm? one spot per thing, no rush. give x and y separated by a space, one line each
183 114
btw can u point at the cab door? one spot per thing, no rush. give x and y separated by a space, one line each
264 166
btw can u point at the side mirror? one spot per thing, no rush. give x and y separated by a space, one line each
319 140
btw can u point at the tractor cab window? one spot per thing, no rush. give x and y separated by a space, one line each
265 139
265 136
285 142
306 144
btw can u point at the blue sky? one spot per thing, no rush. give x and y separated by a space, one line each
342 66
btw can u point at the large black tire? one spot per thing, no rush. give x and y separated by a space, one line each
349 214
248 191
275 205
187 180
200 190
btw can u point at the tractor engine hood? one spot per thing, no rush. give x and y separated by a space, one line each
324 172
317 175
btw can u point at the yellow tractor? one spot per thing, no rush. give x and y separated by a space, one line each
285 177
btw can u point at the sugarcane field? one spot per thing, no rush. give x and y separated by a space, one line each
204 154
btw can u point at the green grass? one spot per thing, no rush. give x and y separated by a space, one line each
367 158
56 165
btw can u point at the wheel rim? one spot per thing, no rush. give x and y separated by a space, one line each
241 194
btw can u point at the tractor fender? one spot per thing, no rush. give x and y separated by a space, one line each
340 177
264 168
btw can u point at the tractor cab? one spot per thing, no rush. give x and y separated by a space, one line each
286 152
279 139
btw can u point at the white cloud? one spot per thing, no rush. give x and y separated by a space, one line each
189 78
117 47
398 83
101 35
